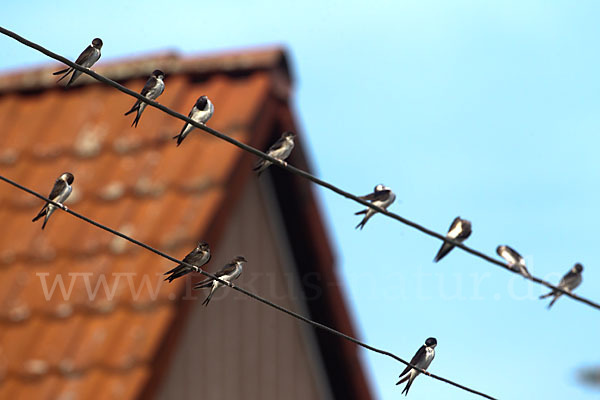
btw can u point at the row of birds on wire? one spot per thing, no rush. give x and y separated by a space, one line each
382 196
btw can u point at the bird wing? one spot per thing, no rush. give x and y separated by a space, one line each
569 280
276 146
226 270
190 116
204 283
381 195
58 188
197 258
150 83
514 253
87 53
420 355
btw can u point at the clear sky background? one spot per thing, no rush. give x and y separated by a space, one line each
484 109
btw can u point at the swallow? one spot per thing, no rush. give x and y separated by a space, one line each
515 261
153 88
197 257
422 359
61 190
228 273
86 59
459 231
569 282
382 196
201 113
280 150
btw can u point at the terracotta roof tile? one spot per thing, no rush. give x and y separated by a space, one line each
124 385
39 389
98 343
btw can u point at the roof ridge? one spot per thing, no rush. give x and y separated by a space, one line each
171 62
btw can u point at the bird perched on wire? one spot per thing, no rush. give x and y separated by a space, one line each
152 89
86 59
515 261
228 273
382 196
60 191
197 257
421 359
569 282
201 113
281 150
460 230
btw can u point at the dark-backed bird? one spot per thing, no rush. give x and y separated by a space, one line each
460 229
421 359
197 257
228 273
569 282
382 196
86 59
201 113
152 89
60 191
515 261
281 150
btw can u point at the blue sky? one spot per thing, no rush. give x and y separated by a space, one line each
487 110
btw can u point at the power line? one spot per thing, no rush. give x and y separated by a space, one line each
242 290
288 167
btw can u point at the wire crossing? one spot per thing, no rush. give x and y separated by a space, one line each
242 290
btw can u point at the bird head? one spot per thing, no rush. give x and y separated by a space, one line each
202 246
431 342
577 268
158 74
68 177
239 259
97 43
201 102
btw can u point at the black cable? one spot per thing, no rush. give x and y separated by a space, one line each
286 166
242 290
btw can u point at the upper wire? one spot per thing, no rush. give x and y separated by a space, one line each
291 168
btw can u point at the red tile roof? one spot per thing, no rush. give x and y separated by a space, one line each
134 180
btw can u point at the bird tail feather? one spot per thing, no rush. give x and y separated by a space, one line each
45 221
204 284
207 300
553 301
179 139
134 108
444 250
137 119
40 214
407 387
62 71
